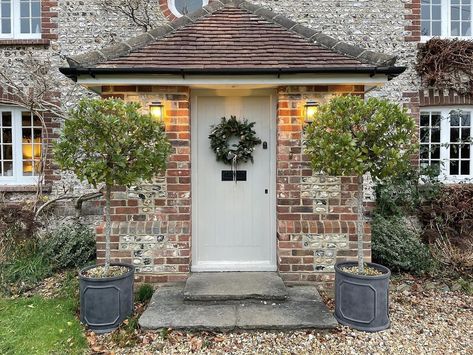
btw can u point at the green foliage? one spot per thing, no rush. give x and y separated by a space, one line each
350 136
226 129
145 292
69 247
23 273
398 247
17 231
403 194
40 326
110 142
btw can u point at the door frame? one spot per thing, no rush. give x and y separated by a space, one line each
213 267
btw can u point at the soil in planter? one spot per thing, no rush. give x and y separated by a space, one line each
98 272
369 271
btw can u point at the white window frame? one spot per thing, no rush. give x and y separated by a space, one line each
446 18
445 138
16 25
18 178
175 12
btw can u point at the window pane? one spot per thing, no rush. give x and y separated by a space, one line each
435 151
425 12
465 167
466 120
424 135
6 8
7 136
454 169
454 135
28 168
465 134
424 119
436 28
35 25
26 134
465 152
424 151
454 151
466 29
7 168
454 119
25 26
188 6
25 9
455 28
435 135
37 121
26 119
466 12
7 152
6 26
35 9
436 13
6 119
37 133
425 30
436 117
455 13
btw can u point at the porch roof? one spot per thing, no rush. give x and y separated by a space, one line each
232 37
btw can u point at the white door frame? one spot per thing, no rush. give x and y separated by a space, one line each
202 267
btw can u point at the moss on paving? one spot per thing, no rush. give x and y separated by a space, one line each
40 326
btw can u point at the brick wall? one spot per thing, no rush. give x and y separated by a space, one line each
152 222
316 214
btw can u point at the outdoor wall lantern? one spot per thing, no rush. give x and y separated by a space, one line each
311 108
156 110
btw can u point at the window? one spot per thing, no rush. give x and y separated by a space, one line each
184 7
446 18
20 19
20 146
446 141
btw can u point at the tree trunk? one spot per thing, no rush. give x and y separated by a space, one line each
108 227
360 225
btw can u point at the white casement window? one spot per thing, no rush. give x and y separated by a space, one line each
184 7
446 141
20 19
446 18
20 146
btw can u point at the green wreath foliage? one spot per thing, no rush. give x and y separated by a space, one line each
228 128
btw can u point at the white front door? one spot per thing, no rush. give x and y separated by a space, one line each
233 223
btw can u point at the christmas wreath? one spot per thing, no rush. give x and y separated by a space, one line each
236 153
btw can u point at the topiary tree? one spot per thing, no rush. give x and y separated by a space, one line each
109 142
353 137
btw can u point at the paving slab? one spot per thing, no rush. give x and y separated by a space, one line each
303 309
223 286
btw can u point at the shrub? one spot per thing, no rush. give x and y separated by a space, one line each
69 247
398 247
145 292
17 231
448 226
403 194
23 273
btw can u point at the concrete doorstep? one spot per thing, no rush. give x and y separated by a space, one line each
303 309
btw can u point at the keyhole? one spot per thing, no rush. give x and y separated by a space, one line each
266 191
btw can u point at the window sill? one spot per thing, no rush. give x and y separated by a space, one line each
22 188
24 42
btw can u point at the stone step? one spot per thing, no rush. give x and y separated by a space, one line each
303 309
224 286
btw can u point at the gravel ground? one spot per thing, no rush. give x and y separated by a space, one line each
427 318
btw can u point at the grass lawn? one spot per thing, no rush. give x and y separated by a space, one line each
40 326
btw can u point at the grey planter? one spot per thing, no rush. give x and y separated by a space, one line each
106 303
362 302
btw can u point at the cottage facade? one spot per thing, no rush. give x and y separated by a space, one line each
288 218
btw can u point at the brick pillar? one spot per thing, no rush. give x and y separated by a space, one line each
316 214
151 222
